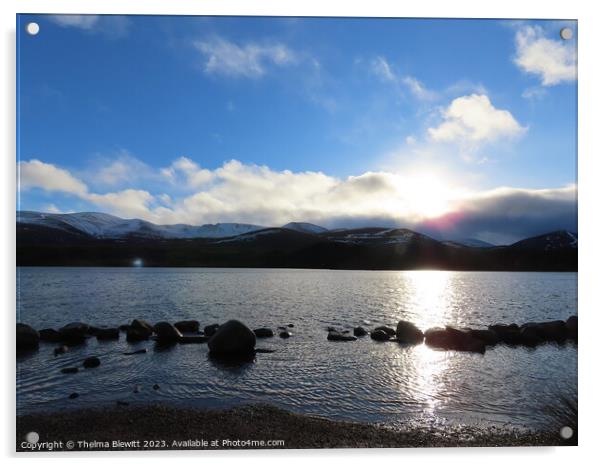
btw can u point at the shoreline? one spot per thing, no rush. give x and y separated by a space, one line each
165 427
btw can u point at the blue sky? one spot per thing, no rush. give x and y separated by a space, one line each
434 124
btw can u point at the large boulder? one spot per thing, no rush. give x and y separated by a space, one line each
189 326
167 333
380 335
337 336
263 332
232 339
509 334
28 338
571 327
74 333
51 335
407 332
451 338
360 331
210 330
141 324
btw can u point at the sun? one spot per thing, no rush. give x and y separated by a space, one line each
427 195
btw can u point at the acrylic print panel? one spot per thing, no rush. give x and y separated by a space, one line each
247 232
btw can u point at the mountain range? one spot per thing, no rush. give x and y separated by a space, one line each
98 239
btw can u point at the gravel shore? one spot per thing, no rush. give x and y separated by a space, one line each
164 427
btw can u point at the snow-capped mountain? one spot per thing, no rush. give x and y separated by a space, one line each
305 227
550 241
101 225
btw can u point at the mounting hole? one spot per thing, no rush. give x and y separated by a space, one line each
566 432
566 33
32 28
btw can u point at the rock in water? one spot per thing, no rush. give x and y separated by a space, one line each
407 332
380 335
107 334
232 339
188 339
134 334
91 362
451 338
74 333
284 334
69 370
388 330
191 326
337 336
360 331
509 334
571 327
167 333
27 337
50 334
529 336
485 335
142 324
263 332
73 396
210 330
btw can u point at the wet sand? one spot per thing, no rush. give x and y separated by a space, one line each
155 427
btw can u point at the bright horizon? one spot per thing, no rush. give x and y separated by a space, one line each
465 128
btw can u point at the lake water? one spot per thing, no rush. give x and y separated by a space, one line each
362 380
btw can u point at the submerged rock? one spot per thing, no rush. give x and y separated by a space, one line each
27 337
337 336
210 330
167 333
360 331
232 338
73 396
91 362
263 332
407 332
69 370
190 326
156 387
379 335
60 350
51 335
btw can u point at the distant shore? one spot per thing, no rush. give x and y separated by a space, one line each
155 427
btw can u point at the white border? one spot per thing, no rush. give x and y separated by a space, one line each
590 231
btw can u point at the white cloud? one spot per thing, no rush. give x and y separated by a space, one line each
129 203
473 119
248 60
554 61
37 174
381 68
112 26
76 21
190 173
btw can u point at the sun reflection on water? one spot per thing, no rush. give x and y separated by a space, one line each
430 305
